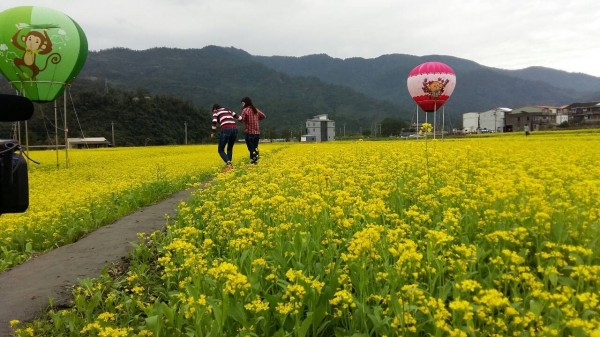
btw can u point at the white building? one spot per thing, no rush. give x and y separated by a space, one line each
308 138
470 122
493 119
486 121
89 142
561 116
322 128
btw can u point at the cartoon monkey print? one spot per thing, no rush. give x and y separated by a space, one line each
35 43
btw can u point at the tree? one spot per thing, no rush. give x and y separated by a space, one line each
392 126
133 118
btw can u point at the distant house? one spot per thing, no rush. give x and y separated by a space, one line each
470 122
493 119
488 121
88 142
308 138
584 112
534 117
321 127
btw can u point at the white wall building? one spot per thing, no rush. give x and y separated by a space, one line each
321 127
562 116
493 119
470 122
490 120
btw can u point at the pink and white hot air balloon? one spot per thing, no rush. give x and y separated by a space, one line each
430 84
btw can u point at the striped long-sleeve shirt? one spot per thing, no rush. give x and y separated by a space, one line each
224 118
251 120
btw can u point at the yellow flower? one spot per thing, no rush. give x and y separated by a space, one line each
106 316
468 285
137 290
425 128
342 301
257 305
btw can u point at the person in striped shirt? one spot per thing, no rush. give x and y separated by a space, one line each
251 116
225 119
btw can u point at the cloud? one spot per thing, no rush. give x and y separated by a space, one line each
504 33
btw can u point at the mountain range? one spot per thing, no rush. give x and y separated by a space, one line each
355 92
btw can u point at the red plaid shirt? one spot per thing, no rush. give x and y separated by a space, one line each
251 119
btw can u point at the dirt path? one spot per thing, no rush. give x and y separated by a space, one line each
25 289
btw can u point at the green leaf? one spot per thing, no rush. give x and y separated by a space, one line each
305 325
237 313
536 307
152 322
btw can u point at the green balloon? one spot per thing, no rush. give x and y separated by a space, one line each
41 51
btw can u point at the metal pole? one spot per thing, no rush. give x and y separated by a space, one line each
26 139
66 131
18 134
112 130
434 116
56 132
443 120
185 127
417 118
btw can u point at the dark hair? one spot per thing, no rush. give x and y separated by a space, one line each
248 102
216 106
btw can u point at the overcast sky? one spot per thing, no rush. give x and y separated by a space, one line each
508 34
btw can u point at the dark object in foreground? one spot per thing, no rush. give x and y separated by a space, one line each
14 182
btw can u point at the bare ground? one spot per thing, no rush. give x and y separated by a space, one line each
26 290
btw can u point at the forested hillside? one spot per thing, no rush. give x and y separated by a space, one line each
478 88
225 75
149 95
134 118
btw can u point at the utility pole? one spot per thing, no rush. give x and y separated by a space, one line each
112 132
495 119
185 132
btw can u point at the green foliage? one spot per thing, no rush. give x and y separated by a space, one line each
136 118
393 127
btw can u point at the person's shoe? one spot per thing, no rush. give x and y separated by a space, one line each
228 166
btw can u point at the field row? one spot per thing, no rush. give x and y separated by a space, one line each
99 187
493 236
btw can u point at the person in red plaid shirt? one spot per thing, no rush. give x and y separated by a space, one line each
251 116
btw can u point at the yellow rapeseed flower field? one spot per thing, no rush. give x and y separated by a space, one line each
484 236
98 187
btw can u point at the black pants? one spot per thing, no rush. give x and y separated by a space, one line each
252 143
